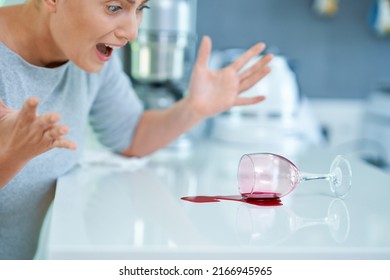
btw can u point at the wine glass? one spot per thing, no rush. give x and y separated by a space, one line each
267 175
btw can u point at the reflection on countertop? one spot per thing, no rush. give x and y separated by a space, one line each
111 213
269 226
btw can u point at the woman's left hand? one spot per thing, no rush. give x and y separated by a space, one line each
213 92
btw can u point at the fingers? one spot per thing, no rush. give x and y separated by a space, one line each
257 67
204 52
54 137
247 56
3 109
64 144
2 103
52 133
35 133
29 110
253 79
249 100
47 121
57 131
29 117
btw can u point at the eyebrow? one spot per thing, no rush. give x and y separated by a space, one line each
133 1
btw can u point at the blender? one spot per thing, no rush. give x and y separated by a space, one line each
160 59
162 55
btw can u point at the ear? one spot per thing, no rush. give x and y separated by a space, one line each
51 5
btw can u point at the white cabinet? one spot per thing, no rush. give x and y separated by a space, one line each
341 119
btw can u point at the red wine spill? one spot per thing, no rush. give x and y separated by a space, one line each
255 201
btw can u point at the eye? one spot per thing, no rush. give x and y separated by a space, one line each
141 8
113 8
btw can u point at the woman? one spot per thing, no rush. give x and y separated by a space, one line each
58 71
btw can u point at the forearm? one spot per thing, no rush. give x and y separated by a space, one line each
158 128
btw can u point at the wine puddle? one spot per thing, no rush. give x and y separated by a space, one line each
253 201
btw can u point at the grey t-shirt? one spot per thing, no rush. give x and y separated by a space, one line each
105 99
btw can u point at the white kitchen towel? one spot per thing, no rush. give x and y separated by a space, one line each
106 158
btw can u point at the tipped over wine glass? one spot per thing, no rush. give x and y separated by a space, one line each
268 175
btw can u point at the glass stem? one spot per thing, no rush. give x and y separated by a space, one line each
308 222
311 176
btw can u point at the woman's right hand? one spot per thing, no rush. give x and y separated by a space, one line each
24 134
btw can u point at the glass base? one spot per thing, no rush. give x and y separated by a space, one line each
338 220
340 177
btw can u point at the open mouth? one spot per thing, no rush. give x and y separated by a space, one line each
104 49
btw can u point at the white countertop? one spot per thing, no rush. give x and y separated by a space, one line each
111 213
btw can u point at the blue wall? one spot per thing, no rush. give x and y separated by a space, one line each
339 57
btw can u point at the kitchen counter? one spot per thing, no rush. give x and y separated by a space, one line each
103 212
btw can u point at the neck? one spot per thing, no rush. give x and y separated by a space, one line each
33 40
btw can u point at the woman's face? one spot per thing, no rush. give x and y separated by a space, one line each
87 31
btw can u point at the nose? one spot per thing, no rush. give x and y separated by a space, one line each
128 29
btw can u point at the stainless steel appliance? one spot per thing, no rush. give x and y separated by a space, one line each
160 60
163 54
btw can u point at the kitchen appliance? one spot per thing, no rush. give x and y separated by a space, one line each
283 123
161 58
162 55
375 132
